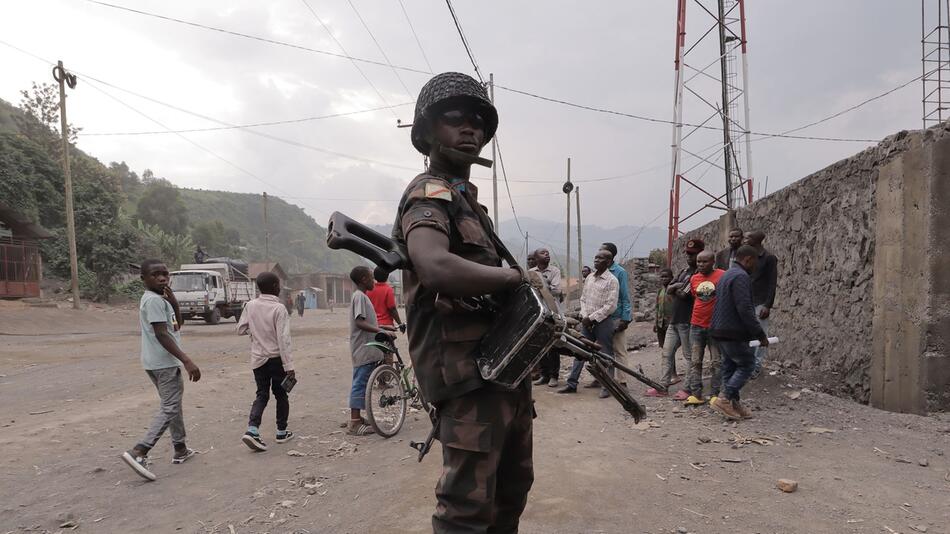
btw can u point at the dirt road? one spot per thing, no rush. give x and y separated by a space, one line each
74 397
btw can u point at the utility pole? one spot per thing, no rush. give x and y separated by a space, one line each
494 167
61 75
266 232
526 249
567 188
580 249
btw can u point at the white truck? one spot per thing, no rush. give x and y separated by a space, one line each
211 291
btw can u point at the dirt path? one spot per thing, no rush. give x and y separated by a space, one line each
72 403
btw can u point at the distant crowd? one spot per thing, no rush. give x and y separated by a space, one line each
712 308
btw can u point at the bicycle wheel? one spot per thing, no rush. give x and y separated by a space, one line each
385 401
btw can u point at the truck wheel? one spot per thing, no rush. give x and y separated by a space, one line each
214 317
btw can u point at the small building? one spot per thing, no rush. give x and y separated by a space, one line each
21 266
332 286
256 268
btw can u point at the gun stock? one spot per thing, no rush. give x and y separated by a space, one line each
346 234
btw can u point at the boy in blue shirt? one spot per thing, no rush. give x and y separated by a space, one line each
162 358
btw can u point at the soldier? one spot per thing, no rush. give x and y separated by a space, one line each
485 429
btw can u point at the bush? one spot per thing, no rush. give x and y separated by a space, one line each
132 289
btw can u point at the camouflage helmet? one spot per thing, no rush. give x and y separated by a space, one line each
443 89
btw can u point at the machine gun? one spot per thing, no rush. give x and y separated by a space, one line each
388 255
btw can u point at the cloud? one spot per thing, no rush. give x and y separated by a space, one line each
807 59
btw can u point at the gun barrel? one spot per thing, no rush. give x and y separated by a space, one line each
347 234
582 349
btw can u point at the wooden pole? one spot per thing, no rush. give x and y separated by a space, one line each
567 263
580 249
266 232
494 167
59 74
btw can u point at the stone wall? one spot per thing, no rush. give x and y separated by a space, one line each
834 316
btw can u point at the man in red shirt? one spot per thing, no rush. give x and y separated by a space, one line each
702 286
384 302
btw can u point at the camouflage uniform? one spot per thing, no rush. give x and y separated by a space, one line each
485 429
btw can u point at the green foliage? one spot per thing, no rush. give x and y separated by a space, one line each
296 241
658 256
132 289
31 182
173 249
161 205
39 119
216 240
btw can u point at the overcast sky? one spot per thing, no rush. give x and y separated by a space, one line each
807 59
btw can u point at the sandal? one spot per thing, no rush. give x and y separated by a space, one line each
359 428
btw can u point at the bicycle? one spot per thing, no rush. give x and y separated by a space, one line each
390 391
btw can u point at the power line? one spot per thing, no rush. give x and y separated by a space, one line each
253 37
380 48
664 121
468 49
413 30
252 125
854 107
477 71
501 162
352 60
253 132
94 85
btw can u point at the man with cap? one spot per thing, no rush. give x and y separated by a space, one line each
485 430
677 334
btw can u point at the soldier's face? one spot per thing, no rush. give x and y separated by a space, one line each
460 128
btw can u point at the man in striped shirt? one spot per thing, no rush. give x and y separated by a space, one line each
598 302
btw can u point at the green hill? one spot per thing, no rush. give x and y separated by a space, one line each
296 241
114 226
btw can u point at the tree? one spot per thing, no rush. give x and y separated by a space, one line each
161 205
40 119
215 239
127 178
658 256
173 249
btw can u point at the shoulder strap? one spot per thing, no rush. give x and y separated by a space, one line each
486 224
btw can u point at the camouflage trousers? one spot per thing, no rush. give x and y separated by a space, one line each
487 469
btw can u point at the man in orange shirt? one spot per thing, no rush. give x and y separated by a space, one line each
702 286
384 302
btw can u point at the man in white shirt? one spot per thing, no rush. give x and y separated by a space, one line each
598 302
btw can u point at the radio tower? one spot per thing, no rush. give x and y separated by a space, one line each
711 74
935 59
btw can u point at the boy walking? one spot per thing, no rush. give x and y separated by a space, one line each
363 329
162 358
734 324
268 323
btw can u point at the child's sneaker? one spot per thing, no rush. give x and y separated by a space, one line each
254 442
183 455
139 464
284 437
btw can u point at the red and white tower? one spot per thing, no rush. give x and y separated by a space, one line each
711 82
935 60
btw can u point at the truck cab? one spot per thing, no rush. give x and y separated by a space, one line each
211 291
